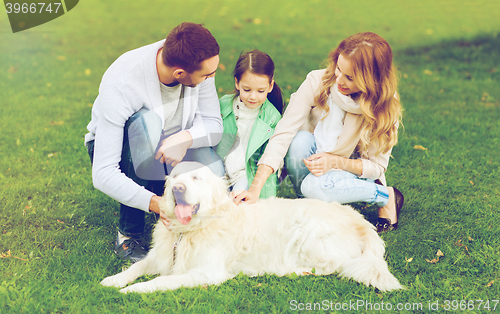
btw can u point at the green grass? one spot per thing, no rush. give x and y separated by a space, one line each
59 229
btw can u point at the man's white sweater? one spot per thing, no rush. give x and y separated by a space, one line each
130 84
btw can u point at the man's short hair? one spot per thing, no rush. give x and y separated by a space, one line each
187 45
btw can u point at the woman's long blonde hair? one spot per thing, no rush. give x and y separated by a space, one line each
376 77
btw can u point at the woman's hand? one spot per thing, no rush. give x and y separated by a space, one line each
319 164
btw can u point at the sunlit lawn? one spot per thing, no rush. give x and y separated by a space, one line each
56 230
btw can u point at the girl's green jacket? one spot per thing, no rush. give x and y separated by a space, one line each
262 130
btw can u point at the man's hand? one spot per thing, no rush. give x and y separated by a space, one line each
173 148
154 206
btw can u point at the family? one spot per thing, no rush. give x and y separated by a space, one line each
158 105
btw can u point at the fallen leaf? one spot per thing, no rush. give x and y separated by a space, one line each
257 21
3 255
50 155
222 67
12 70
237 25
460 244
471 239
490 283
428 72
419 147
409 259
61 222
435 260
472 183
258 285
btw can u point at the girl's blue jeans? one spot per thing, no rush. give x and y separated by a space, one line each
142 135
339 186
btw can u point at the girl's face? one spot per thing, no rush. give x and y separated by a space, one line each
253 89
345 76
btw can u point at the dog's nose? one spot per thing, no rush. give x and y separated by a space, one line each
179 188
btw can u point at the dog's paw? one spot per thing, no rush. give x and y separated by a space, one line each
142 287
114 281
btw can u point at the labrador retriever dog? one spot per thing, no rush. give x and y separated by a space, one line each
210 239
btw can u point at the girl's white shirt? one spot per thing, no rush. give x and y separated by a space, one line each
235 160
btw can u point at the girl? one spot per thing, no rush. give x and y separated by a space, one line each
361 80
249 118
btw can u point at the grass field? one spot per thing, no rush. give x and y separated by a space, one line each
56 230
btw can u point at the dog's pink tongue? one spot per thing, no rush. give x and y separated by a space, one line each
183 213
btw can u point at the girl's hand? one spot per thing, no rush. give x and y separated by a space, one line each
252 195
233 194
245 196
319 164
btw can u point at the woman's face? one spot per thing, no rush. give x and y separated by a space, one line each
345 76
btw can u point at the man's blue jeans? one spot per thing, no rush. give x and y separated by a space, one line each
142 135
340 186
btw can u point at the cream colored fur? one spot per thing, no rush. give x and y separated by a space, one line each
273 236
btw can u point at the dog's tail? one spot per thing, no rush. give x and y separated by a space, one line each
370 268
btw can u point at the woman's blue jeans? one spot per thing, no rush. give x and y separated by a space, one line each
339 186
142 136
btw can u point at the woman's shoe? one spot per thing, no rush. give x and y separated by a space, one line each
384 224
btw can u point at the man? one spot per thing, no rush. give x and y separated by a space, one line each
157 105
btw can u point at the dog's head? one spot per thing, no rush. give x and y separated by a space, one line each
192 191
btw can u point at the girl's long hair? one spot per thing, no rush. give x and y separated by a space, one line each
377 78
260 63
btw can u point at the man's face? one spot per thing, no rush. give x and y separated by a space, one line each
208 68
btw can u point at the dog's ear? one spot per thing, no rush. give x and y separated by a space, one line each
167 184
167 198
220 190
